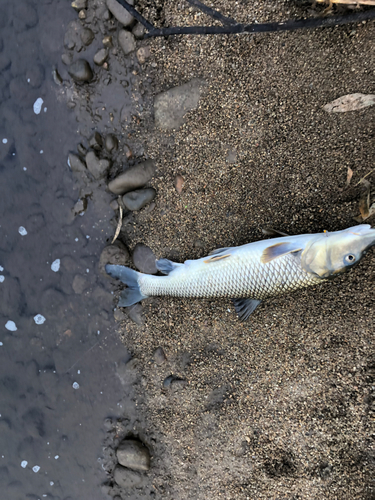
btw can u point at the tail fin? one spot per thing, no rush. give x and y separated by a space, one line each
132 294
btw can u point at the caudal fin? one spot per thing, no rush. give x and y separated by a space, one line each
132 294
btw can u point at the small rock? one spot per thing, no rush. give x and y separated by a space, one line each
81 149
139 31
114 205
66 59
135 177
76 164
119 315
232 157
179 183
134 455
82 14
101 56
143 53
80 71
135 313
113 254
79 4
159 356
135 200
80 206
107 42
127 478
96 141
80 284
126 41
87 36
97 167
171 106
120 13
144 259
111 143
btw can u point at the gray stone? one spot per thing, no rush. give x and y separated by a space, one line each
111 143
159 356
139 31
87 36
96 141
174 383
144 259
135 313
134 455
126 41
114 205
101 56
127 478
120 13
79 4
119 315
113 254
171 106
80 206
67 59
143 53
135 177
98 168
76 164
135 200
80 71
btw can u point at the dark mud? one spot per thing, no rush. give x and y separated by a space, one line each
60 356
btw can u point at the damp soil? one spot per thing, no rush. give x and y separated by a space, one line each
279 407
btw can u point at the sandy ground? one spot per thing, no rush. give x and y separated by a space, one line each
281 406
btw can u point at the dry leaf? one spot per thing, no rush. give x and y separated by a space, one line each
350 102
179 183
364 202
349 176
119 224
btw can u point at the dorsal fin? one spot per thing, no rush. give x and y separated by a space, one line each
278 250
219 250
275 233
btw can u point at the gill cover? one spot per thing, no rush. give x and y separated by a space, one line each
332 253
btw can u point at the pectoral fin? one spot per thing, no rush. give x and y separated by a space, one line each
244 307
275 251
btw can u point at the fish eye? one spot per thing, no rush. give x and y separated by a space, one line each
350 258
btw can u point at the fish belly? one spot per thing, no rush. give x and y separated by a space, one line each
239 276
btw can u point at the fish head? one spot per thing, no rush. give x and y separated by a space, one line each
334 253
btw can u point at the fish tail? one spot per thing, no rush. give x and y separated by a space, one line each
132 294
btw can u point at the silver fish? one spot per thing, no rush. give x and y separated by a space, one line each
251 273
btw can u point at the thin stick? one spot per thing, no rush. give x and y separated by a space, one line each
369 173
350 2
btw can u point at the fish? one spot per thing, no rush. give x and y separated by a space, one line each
251 273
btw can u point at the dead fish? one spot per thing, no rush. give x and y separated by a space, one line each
253 272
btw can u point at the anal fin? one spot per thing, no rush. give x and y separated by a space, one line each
244 307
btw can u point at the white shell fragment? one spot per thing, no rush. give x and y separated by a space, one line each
24 464
36 468
75 385
11 326
55 266
39 319
22 231
37 107
1 278
350 102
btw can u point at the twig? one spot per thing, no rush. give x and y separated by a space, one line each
118 228
369 173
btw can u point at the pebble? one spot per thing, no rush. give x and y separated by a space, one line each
37 107
139 31
171 106
55 266
76 164
133 455
107 42
143 53
66 59
135 200
159 356
98 168
87 36
127 478
79 4
111 143
11 326
101 56
113 254
126 41
80 284
80 206
120 13
179 183
80 71
119 315
96 141
133 178
174 383
114 205
135 313
144 259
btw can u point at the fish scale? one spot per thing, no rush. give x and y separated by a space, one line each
243 276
